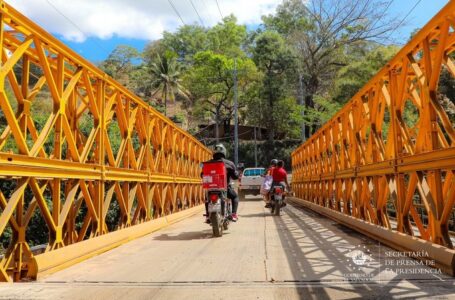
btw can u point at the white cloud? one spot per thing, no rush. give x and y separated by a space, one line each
77 20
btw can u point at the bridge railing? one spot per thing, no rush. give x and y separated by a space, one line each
390 151
79 154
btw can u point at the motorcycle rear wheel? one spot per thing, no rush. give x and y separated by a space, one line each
216 226
227 215
277 208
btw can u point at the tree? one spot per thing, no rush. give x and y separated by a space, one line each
274 60
211 84
186 42
360 69
166 79
320 31
154 49
363 60
120 63
227 37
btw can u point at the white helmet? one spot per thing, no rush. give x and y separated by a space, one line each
219 148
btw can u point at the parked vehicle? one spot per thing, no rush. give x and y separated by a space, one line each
250 182
214 182
277 195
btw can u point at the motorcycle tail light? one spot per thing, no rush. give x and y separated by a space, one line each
214 197
278 190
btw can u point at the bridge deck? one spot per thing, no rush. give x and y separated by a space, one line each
297 255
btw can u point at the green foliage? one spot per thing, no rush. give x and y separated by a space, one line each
154 49
271 54
186 42
227 37
178 118
322 33
120 62
364 60
211 83
286 115
115 137
322 112
166 79
113 214
411 114
37 231
290 15
279 111
351 78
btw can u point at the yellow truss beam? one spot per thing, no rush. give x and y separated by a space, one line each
64 168
369 157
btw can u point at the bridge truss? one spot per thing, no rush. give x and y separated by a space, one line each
390 151
98 149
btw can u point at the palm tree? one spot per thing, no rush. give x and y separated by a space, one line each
166 79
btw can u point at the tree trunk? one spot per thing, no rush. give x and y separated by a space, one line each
311 89
217 126
309 103
271 124
302 104
165 104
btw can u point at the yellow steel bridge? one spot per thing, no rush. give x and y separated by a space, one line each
364 163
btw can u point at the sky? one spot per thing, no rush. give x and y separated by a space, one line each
93 28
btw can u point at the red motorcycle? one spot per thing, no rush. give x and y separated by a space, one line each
214 183
277 195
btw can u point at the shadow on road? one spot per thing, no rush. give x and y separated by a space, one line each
256 215
316 249
186 236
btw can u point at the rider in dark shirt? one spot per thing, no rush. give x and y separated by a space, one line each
219 154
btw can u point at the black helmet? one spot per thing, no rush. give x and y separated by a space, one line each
274 162
219 148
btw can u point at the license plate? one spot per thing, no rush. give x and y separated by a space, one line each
214 207
278 197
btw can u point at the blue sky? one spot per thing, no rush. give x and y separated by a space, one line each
423 13
93 28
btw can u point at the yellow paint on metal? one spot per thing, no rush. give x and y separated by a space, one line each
71 175
370 157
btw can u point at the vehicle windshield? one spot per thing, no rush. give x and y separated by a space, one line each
253 172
